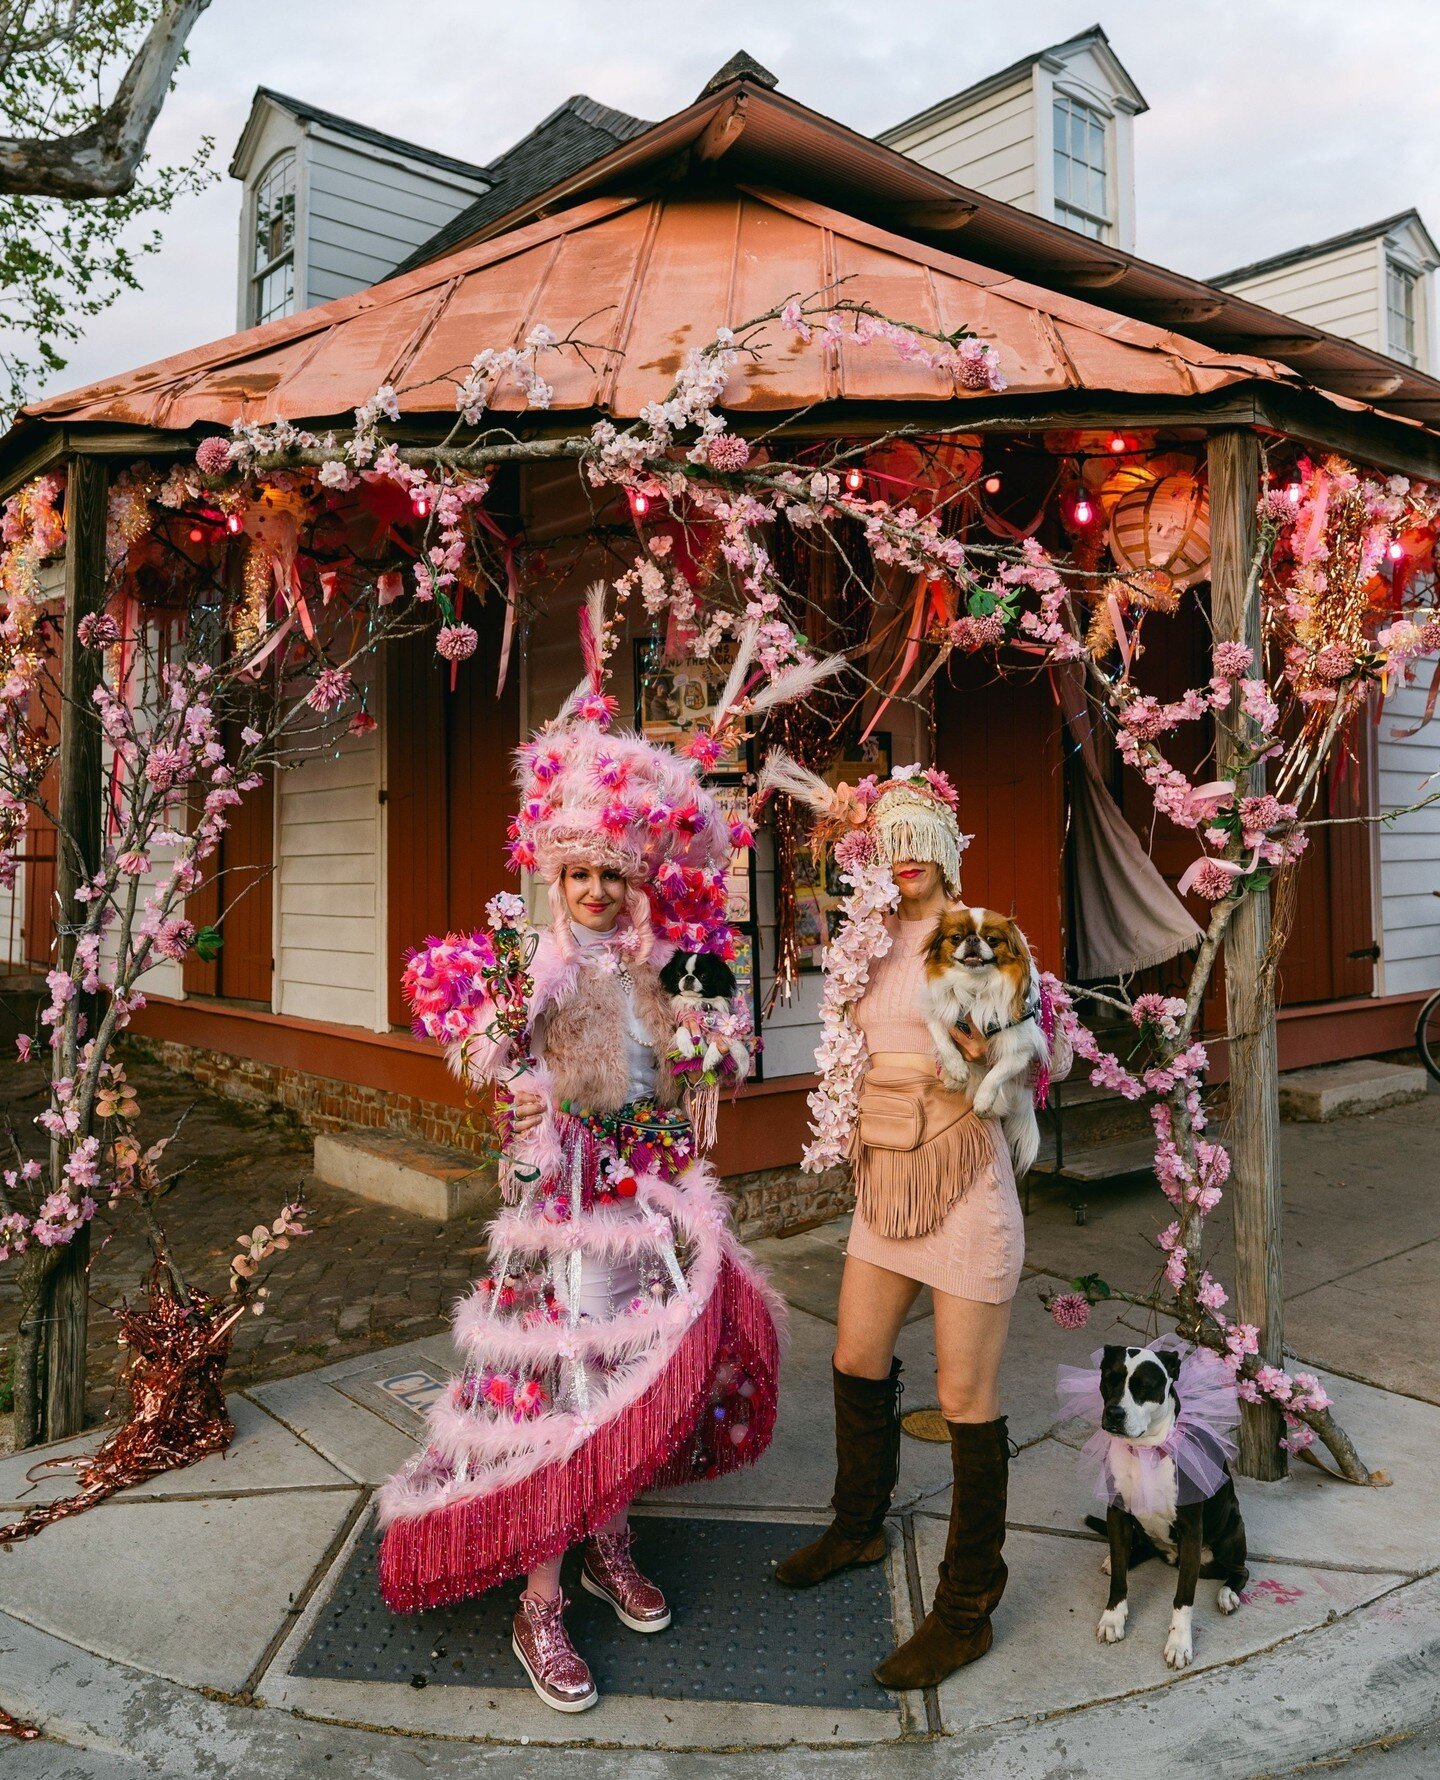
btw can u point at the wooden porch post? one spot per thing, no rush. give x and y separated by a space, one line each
1254 1129
65 1308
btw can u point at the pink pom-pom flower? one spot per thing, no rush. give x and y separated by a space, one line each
456 642
1070 1310
212 456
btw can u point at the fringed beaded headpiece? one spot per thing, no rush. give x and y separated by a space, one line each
910 815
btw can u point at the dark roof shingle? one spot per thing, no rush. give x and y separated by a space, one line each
575 134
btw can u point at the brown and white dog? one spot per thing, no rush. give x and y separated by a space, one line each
979 974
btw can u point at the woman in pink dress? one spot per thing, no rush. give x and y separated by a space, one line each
622 1339
935 1206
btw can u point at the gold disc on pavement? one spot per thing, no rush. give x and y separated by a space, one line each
926 1424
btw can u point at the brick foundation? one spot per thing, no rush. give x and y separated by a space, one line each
766 1203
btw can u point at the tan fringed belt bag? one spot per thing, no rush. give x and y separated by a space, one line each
918 1145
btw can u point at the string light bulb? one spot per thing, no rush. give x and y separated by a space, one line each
854 480
1119 443
991 484
1394 549
196 535
421 505
1082 512
234 524
639 503
1292 493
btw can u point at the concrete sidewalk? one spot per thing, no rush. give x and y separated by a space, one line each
163 1633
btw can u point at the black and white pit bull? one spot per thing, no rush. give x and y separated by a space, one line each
1139 1390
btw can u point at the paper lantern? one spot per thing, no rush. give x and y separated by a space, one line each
1160 519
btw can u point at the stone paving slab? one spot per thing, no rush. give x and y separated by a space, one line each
1046 1658
806 1270
264 1456
193 1591
366 1447
799 1469
1365 1322
1373 1674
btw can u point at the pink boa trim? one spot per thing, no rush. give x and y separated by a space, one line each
466 1546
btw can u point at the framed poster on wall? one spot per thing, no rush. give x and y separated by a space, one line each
674 699
819 891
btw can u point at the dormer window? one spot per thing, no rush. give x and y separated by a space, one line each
1081 196
1400 313
272 290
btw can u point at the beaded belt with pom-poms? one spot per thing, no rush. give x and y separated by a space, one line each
648 1138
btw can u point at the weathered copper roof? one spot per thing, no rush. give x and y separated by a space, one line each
641 279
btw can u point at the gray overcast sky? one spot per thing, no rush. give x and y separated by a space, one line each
1271 122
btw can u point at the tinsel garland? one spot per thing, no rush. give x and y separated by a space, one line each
177 1406
17 1728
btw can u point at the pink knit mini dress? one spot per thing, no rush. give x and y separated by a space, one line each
978 1248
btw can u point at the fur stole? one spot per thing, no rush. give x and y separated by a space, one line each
577 1016
581 1035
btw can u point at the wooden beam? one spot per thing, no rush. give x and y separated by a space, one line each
1097 277
1177 312
77 857
1281 346
1376 440
724 130
1362 386
1253 1132
934 216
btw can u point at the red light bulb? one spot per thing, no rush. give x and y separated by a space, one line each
1082 512
421 504
1118 443
1292 493
639 503
196 535
1394 549
234 523
992 485
854 481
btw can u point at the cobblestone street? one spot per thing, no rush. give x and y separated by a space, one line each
366 1277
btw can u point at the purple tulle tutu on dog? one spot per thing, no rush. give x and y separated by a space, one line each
1200 1442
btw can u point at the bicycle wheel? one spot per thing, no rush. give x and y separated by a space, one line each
1427 1035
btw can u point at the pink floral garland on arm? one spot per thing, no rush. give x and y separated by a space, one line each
841 1056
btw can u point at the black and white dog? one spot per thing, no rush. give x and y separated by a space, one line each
700 984
1139 1390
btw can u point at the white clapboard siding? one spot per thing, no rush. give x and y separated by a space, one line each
365 213
988 144
1339 291
1410 847
12 916
328 904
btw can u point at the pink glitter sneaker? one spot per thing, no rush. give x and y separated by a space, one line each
609 1572
557 1671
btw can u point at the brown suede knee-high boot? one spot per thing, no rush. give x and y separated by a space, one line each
867 1465
956 1630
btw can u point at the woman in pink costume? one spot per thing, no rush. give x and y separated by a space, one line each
623 1339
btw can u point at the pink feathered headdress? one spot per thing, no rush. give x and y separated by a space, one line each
590 795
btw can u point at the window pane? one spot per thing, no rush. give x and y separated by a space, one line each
276 293
275 212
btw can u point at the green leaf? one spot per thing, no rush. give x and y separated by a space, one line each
1093 1287
981 603
208 941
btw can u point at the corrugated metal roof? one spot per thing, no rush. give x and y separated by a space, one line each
663 271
